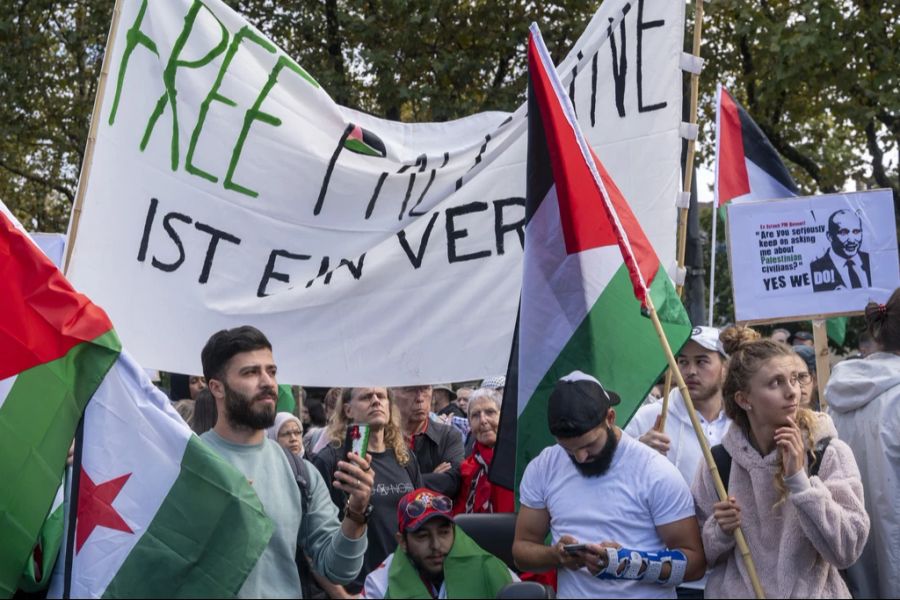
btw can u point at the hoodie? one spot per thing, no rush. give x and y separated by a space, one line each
864 401
684 449
798 546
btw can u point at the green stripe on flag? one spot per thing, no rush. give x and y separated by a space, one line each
286 402
837 329
619 346
198 542
37 426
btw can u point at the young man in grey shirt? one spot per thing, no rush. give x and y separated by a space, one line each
241 374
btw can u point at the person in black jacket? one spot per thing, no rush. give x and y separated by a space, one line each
438 447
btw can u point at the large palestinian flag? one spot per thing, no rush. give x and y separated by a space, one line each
749 169
148 491
581 302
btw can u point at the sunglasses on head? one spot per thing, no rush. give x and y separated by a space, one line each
417 507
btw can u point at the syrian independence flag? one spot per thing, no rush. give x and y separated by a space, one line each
581 304
158 513
749 169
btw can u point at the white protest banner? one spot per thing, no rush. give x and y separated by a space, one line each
813 256
227 188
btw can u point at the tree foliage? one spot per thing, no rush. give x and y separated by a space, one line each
820 78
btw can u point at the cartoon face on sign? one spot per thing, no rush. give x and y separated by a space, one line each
844 265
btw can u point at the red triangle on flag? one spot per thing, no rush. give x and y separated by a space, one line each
42 317
587 220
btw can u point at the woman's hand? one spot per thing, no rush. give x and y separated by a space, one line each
728 515
789 441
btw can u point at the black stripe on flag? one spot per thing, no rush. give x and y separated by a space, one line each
759 150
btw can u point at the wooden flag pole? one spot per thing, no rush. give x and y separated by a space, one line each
688 176
823 362
692 144
704 445
88 159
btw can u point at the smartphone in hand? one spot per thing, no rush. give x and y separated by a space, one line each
574 548
357 440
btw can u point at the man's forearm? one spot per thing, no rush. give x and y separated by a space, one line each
531 556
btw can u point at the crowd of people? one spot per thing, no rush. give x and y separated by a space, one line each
604 512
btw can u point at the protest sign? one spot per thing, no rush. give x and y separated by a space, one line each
227 188
812 257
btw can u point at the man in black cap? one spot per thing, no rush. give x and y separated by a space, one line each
621 516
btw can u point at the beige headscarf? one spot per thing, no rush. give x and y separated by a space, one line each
280 419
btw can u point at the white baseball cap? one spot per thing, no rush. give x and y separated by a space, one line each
708 337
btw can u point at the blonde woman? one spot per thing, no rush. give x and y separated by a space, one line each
794 487
395 468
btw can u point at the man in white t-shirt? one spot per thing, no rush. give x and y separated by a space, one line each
621 517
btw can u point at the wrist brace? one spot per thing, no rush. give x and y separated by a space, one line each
623 563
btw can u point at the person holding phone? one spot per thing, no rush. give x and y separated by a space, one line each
620 516
395 469
242 377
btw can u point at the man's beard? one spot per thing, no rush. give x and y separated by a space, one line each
240 412
435 578
599 465
705 393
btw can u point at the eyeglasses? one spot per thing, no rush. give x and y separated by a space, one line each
417 507
804 378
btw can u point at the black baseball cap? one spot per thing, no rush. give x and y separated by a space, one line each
578 403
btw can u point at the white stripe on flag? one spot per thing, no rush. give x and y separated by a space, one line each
129 427
5 387
558 292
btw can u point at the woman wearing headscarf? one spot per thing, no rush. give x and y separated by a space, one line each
288 432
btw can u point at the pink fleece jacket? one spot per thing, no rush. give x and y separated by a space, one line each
797 547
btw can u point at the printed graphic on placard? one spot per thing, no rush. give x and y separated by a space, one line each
843 264
811 256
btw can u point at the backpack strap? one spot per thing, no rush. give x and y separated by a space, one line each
821 447
301 474
723 463
300 469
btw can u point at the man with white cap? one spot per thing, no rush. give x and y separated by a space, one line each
702 363
621 517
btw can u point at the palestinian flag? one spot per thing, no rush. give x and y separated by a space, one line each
581 304
147 491
363 141
749 169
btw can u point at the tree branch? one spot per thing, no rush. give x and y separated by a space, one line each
793 154
880 175
35 178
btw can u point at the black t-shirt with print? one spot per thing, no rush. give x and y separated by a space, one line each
392 482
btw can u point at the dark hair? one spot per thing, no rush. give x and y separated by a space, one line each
179 387
205 412
223 345
316 412
883 321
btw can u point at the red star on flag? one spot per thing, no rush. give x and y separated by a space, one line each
95 507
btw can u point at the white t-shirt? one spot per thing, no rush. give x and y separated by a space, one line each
641 490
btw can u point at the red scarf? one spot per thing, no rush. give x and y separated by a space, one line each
479 498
